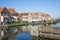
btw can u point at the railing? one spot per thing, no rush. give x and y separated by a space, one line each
50 34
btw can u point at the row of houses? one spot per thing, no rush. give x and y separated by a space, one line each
10 14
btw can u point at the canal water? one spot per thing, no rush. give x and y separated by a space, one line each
27 36
23 36
56 25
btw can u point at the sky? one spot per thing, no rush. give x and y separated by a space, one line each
51 7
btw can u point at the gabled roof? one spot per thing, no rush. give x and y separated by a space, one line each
11 10
45 15
34 14
24 14
1 9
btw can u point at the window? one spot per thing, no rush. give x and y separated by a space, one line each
4 14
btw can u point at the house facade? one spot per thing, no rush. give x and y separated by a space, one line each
11 15
24 16
4 14
8 15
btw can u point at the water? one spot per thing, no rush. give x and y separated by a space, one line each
23 36
56 25
27 36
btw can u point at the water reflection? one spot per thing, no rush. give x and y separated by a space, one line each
23 36
27 36
56 25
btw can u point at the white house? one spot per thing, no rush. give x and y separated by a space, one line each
24 16
8 15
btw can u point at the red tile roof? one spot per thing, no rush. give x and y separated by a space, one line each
11 10
1 9
24 14
46 15
34 14
42 15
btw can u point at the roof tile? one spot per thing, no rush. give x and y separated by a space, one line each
1 9
11 10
